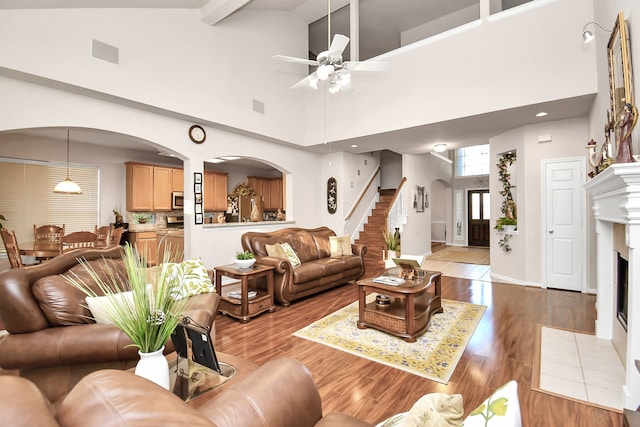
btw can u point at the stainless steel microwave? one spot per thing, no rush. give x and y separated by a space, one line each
177 200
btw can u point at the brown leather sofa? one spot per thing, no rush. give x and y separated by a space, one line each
281 393
318 270
52 339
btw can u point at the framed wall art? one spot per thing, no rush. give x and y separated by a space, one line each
418 199
620 78
332 195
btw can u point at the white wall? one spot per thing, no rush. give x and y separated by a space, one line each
524 56
420 170
169 60
524 264
215 245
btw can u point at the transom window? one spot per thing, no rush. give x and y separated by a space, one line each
472 161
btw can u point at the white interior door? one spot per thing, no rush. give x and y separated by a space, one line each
564 206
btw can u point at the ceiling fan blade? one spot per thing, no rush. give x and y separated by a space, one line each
296 60
307 82
338 44
365 66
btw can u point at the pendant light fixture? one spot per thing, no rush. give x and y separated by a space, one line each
67 186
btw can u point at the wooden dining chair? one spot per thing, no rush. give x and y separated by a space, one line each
48 233
11 246
116 236
79 239
103 235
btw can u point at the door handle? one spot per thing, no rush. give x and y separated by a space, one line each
550 231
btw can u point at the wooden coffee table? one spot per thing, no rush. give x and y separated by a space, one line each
410 305
244 308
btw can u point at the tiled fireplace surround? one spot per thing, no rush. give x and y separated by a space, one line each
616 207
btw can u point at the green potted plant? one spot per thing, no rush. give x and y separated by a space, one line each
391 242
506 224
245 259
147 314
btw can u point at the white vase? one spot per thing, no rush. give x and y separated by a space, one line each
154 367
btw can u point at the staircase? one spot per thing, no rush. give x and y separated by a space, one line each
372 235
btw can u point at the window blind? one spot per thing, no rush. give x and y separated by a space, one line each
27 197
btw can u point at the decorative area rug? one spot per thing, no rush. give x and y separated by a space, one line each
462 254
434 355
578 366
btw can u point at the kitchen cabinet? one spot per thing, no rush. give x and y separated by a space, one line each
270 189
162 188
215 191
147 244
149 187
139 185
178 180
171 241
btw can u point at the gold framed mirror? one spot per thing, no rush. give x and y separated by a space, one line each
620 77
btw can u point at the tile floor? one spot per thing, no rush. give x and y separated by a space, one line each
460 270
581 366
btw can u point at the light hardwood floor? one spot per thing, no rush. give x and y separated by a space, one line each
501 349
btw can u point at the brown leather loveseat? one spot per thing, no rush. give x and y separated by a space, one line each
318 271
52 339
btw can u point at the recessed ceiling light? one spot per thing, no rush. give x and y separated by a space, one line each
541 114
354 145
439 148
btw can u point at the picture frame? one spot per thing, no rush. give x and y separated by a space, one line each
198 208
198 219
198 198
197 177
197 188
418 199
620 75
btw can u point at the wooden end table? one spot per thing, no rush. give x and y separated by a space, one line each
244 308
410 305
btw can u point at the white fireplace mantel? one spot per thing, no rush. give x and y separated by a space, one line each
616 199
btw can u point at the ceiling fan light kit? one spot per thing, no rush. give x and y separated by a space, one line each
330 65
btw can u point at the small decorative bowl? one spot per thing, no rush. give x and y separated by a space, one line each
243 264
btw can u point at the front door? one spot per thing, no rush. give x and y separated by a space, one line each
564 235
478 208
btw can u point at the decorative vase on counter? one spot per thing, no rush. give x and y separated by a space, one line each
154 367
257 210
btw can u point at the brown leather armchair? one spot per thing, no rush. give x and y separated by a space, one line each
281 393
52 339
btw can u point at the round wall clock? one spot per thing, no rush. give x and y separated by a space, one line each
197 134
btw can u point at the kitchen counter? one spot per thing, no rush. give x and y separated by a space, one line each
177 232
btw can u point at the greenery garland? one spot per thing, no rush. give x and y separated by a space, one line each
508 206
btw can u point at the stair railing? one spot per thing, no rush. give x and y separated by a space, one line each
394 212
362 193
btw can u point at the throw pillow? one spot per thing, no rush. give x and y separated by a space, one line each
340 245
190 278
285 251
431 410
501 409
275 251
291 254
99 306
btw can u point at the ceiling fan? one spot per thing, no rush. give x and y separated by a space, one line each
331 68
